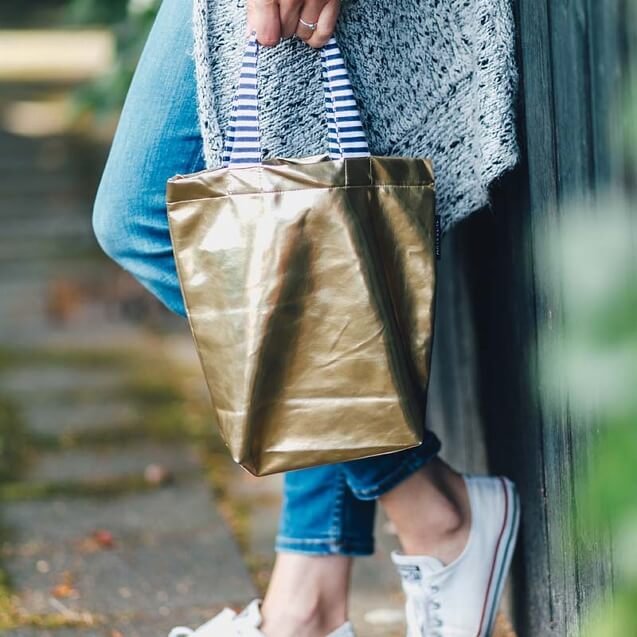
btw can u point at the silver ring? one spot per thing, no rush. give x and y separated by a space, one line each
310 25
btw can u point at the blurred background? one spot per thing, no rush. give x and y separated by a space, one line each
121 513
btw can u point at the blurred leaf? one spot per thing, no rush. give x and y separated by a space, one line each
617 618
606 489
96 11
130 20
591 267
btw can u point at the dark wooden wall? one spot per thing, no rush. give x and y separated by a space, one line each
486 398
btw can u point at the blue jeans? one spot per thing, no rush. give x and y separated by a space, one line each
328 509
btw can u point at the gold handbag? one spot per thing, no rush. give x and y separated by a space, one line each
310 288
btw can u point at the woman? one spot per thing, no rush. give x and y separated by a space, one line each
424 91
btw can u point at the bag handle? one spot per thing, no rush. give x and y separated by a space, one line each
346 136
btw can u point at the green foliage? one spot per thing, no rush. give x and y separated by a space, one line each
97 11
131 21
591 267
617 621
12 440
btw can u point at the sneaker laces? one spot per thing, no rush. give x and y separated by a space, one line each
421 612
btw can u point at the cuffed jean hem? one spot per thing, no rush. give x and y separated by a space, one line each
324 546
413 460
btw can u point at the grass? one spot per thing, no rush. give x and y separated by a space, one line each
12 616
79 358
13 440
108 488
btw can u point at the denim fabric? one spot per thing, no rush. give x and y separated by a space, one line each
328 509
157 137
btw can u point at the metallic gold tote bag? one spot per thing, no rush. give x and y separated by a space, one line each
310 288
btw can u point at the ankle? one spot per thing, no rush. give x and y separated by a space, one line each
443 539
307 595
432 514
308 619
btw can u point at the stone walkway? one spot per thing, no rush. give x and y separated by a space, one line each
109 525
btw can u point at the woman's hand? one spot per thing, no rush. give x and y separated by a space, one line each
276 19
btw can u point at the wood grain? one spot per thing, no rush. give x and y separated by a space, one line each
572 56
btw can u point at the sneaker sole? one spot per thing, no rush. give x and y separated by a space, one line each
504 553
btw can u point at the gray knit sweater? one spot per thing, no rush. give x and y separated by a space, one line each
433 78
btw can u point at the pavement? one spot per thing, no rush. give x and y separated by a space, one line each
121 513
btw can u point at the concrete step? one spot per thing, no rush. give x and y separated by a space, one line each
196 568
43 527
98 412
22 248
162 568
112 463
33 383
46 229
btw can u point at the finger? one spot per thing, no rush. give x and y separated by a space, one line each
326 24
263 17
290 11
309 13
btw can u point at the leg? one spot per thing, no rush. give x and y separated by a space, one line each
327 518
458 532
423 496
158 136
322 527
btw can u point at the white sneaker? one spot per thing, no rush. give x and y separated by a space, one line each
460 599
246 624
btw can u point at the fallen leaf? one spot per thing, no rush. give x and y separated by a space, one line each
157 475
103 538
65 587
98 540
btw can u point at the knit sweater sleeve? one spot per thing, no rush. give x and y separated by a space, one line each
451 98
482 111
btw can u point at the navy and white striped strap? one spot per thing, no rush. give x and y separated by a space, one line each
345 130
346 137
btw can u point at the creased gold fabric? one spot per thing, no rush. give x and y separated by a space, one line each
310 291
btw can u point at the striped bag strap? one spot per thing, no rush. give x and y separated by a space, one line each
346 136
243 140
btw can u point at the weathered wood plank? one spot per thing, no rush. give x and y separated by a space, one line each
595 58
499 268
546 167
570 54
569 33
453 411
608 50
